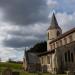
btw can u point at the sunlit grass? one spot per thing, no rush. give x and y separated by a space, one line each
11 65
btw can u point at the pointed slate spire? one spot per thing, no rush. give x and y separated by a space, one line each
54 23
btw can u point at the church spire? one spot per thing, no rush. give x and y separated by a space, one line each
54 23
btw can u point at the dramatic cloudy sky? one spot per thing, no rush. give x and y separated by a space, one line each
23 23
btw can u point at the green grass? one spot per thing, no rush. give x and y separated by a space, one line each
11 65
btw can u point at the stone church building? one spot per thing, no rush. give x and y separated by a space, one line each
60 54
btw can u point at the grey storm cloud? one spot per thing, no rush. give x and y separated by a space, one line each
27 32
23 40
23 37
19 42
25 12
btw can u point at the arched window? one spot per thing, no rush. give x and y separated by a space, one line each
70 38
48 59
48 35
69 59
65 57
65 40
72 58
58 33
57 43
60 42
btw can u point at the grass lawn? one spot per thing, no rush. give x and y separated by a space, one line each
18 67
11 65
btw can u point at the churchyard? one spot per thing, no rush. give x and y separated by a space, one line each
7 68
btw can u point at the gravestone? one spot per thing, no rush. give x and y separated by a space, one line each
7 71
15 73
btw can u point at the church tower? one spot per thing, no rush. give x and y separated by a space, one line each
53 31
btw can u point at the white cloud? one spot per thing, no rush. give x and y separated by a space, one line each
52 3
66 21
15 54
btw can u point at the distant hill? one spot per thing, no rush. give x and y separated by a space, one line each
39 47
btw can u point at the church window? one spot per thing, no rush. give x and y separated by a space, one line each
65 57
58 33
69 56
48 35
48 59
65 40
70 38
60 42
72 59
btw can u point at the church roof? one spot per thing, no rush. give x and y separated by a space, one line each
54 23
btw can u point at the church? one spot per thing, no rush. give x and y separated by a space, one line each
60 54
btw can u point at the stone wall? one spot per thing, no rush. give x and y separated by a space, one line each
66 65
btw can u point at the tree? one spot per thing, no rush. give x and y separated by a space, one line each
39 47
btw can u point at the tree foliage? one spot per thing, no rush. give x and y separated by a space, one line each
39 47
